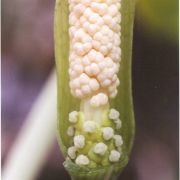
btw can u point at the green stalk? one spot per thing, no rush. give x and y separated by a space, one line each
67 103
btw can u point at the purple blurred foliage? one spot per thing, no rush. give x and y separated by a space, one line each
27 59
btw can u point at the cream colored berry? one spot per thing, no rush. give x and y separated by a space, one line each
118 123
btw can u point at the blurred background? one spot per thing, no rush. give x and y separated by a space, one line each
28 58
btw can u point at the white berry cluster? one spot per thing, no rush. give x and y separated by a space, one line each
94 49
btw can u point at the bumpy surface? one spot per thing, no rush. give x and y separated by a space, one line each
95 51
94 61
94 144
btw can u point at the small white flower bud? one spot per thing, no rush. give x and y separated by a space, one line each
100 148
118 140
113 114
82 160
72 152
79 141
70 131
73 116
118 123
89 126
114 156
108 133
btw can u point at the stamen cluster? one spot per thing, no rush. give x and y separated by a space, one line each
94 49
